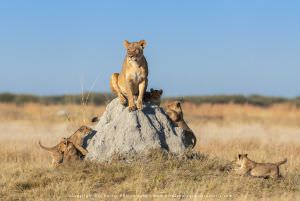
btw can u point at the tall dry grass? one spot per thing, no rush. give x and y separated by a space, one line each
266 134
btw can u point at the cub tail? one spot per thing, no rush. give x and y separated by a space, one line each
51 149
282 162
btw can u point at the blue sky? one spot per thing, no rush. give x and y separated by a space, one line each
194 47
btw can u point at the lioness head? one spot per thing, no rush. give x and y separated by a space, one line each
241 158
135 50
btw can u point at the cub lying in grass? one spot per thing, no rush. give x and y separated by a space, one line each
252 168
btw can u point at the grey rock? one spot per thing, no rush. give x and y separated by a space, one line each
128 133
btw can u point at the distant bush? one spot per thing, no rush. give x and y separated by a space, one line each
92 98
18 99
257 100
296 101
103 98
7 98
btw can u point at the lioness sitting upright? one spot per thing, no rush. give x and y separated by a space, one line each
133 80
252 168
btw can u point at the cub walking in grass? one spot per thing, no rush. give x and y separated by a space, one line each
252 168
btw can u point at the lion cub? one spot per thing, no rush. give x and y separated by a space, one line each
69 149
71 152
174 112
78 137
64 151
57 152
154 96
264 170
133 80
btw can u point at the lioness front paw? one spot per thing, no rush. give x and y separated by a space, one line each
122 99
132 108
139 104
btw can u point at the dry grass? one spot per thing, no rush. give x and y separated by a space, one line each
266 134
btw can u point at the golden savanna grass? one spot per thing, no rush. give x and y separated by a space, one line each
266 134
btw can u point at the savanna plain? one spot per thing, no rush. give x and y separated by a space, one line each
266 134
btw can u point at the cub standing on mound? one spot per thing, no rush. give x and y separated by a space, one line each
133 79
154 96
264 170
175 113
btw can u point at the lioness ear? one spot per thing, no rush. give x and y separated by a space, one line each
177 104
246 155
142 43
126 43
161 91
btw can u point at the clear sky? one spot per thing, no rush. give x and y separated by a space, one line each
194 47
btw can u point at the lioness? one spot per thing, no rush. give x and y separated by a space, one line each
174 112
133 79
264 170
153 96
57 152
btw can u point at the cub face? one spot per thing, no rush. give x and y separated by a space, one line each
62 145
175 106
241 158
84 129
156 94
135 50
